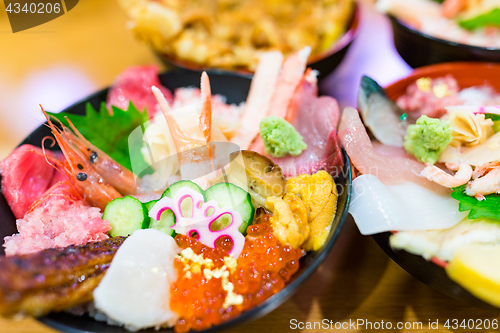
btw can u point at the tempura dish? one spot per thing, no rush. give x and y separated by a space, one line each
173 209
232 34
429 174
470 22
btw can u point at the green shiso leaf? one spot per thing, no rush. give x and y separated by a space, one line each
489 207
491 18
110 133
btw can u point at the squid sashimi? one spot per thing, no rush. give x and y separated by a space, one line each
26 175
377 207
134 84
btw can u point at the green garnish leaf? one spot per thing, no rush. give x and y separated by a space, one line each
491 18
110 133
492 116
489 207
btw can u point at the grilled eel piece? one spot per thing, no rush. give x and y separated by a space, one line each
53 279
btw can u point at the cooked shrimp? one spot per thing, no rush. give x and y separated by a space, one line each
193 153
463 174
282 103
481 170
451 8
206 107
80 173
259 98
487 184
288 81
119 177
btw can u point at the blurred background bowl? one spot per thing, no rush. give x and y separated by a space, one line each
325 62
467 74
419 49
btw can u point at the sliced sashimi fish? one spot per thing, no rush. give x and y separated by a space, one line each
394 170
316 120
377 207
444 244
26 175
135 291
134 85
380 114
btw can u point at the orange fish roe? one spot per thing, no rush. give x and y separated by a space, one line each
262 269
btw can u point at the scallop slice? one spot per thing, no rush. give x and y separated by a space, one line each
135 291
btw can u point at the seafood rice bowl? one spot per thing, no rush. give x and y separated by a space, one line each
173 209
429 176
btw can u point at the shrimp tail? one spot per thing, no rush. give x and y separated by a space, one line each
206 110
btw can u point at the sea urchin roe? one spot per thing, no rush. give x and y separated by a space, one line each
215 294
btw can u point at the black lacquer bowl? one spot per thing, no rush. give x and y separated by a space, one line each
235 88
419 49
325 62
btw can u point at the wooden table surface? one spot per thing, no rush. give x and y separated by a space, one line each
67 59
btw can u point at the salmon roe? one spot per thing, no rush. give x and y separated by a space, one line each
262 269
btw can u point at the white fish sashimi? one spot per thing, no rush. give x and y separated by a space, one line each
136 288
444 244
377 207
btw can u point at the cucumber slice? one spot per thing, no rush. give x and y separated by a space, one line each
167 219
229 195
171 191
126 215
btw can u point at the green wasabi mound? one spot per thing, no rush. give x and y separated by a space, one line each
427 139
280 138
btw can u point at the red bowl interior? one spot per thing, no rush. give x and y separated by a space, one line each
467 74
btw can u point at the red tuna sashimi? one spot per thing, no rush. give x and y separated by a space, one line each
26 175
59 219
316 120
134 85
389 166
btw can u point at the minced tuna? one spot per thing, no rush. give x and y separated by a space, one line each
58 222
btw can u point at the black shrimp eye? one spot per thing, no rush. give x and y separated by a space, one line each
93 157
81 176
79 166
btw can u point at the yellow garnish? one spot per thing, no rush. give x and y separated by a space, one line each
441 90
222 273
424 84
